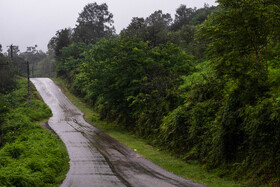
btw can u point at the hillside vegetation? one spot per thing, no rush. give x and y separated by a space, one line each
204 86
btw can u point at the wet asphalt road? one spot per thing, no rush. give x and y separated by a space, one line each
96 159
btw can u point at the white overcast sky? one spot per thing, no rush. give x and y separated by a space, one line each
29 22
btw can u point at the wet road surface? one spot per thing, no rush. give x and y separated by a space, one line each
96 159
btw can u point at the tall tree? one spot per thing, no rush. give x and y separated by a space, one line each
60 40
13 51
7 75
183 16
200 15
158 25
94 22
135 28
240 33
153 29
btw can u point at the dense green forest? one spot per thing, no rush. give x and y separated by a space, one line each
204 85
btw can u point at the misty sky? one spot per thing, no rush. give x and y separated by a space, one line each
29 22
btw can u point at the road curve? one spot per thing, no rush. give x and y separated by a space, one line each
96 159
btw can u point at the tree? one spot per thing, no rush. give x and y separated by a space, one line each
94 22
200 15
183 36
61 39
7 75
240 35
183 16
15 51
130 81
18 63
153 29
135 28
33 55
157 27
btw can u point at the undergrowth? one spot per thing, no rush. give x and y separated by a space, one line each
30 155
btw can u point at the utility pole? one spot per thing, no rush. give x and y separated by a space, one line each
28 76
28 83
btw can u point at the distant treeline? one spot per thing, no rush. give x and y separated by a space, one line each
204 85
13 62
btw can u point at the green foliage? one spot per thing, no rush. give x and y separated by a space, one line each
158 27
32 55
135 28
187 129
191 170
200 15
7 74
230 116
30 156
153 29
223 111
129 81
94 23
183 17
186 38
44 68
240 34
190 16
61 39
70 59
34 159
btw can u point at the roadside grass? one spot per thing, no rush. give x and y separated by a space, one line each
30 155
191 170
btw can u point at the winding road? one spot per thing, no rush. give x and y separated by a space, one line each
96 159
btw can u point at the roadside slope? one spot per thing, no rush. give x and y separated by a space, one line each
31 155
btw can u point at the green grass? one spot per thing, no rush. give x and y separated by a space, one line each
31 155
190 170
